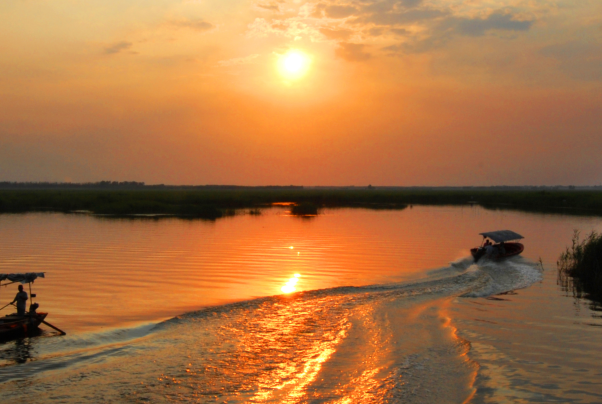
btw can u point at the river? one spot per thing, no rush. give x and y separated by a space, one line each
353 305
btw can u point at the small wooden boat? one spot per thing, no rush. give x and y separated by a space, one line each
498 245
15 325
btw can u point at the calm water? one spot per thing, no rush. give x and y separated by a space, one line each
387 307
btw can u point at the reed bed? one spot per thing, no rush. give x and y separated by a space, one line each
580 268
214 203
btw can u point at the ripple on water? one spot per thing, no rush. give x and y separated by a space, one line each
351 344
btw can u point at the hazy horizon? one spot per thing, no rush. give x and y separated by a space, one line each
25 184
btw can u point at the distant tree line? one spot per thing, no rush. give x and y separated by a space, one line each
141 185
70 185
127 185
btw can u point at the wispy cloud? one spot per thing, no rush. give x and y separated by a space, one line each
238 61
352 52
401 18
117 47
580 60
338 34
269 6
497 20
291 27
339 11
197 25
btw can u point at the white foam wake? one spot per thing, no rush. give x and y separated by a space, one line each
504 276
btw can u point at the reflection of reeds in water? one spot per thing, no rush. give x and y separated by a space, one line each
304 209
580 269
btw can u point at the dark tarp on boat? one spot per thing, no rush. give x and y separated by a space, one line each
502 235
23 278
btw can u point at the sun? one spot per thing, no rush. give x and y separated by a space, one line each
294 64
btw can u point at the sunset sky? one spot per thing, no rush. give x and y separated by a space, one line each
334 92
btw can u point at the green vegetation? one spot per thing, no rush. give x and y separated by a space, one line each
580 268
214 203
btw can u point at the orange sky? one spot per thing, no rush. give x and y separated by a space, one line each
406 92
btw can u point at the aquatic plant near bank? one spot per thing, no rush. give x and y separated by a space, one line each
580 268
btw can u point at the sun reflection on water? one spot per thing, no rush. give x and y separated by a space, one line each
289 287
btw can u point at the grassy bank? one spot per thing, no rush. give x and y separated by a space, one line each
580 268
214 203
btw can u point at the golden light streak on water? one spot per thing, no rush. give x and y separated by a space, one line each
289 287
362 388
292 390
465 347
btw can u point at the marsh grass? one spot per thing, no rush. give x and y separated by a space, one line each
215 203
580 268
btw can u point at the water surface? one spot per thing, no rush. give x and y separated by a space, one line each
388 308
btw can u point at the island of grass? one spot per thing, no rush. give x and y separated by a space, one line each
216 202
304 209
580 268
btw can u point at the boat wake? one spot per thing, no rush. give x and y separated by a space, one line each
505 276
371 344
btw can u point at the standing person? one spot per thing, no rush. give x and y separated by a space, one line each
21 299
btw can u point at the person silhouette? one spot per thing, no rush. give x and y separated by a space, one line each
21 299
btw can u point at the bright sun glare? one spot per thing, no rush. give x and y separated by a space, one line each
290 284
293 64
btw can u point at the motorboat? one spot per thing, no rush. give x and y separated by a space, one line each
498 245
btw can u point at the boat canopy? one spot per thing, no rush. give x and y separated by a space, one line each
23 278
502 235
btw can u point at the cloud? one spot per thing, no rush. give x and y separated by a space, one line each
419 26
260 28
443 30
389 6
339 11
411 3
290 27
497 20
434 40
197 25
379 7
400 18
578 60
269 6
400 31
375 31
238 61
394 50
117 47
338 34
352 52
